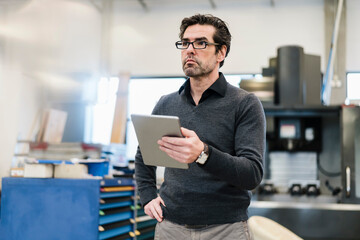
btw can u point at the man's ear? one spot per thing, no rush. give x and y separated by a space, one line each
221 53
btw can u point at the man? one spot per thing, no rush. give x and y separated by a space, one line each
224 137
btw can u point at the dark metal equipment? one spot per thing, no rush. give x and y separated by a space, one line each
350 168
316 206
293 78
312 161
298 77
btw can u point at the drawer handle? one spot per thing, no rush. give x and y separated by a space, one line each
348 186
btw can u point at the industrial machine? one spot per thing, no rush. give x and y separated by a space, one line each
312 163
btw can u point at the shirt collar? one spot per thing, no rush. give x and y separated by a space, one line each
219 86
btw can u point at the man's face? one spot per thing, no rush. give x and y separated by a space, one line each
199 62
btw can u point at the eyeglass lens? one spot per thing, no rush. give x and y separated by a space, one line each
196 44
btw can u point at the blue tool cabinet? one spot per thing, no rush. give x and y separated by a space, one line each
58 209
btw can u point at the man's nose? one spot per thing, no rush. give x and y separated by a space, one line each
191 48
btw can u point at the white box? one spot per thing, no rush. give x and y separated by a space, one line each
38 170
71 171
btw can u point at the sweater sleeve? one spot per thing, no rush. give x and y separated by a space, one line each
245 169
145 175
145 179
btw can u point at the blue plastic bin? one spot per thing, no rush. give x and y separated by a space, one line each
98 169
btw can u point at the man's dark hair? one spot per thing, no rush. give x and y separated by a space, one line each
222 34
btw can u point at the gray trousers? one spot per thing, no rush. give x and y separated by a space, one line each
167 230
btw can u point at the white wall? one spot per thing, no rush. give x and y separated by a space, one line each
353 36
44 42
9 117
143 42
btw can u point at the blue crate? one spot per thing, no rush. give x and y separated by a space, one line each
98 169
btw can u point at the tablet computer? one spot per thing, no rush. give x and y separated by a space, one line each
151 128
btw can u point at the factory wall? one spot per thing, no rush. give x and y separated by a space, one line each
45 45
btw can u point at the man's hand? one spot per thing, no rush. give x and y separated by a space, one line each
185 150
153 209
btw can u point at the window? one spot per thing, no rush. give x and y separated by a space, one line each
99 117
352 88
142 98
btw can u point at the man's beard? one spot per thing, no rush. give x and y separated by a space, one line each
196 70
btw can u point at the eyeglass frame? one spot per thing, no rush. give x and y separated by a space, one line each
192 43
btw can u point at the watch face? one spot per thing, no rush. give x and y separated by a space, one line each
202 158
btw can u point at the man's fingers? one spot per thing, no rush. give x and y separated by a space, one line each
153 209
156 213
171 141
162 202
178 156
150 214
167 144
187 133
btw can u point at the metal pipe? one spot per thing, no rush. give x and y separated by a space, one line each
326 90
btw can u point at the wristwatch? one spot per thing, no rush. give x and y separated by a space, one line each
203 155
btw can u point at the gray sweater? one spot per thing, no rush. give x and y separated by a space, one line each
232 122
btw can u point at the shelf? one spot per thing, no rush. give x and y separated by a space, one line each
301 111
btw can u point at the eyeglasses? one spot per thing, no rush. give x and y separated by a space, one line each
199 44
